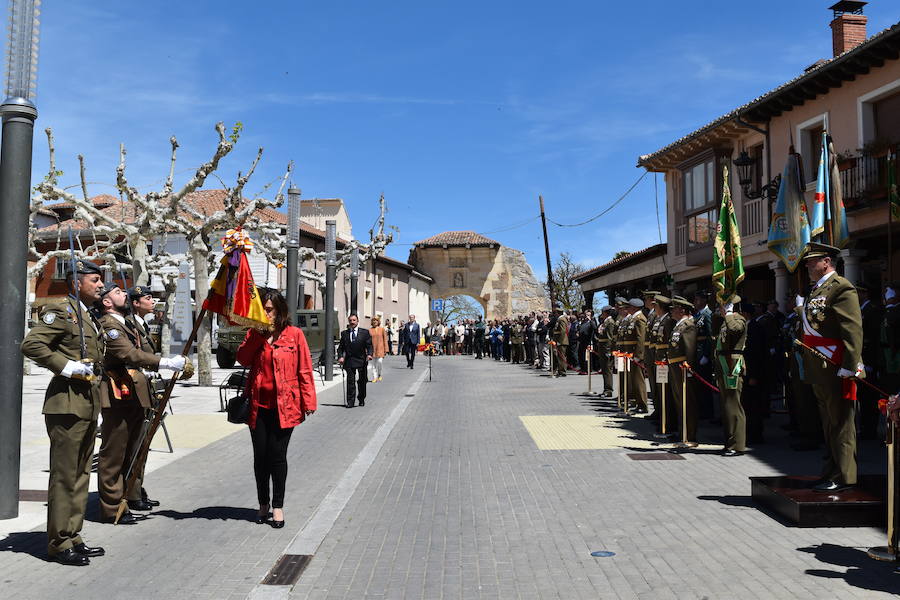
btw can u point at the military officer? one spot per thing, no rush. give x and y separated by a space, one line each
649 356
560 337
729 369
703 322
633 342
603 341
681 352
619 342
123 399
832 324
68 341
662 332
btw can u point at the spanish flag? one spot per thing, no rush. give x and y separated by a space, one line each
233 293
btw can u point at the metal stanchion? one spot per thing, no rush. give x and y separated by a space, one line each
627 370
889 552
661 384
589 369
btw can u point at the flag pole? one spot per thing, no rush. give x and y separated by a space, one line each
892 157
157 420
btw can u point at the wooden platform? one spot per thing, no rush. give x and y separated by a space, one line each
792 497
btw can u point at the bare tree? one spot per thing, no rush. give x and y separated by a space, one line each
565 289
458 307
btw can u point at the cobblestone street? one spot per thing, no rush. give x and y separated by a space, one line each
461 502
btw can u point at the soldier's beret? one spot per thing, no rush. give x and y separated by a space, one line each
620 301
636 302
86 267
663 301
651 293
818 250
608 308
682 302
139 291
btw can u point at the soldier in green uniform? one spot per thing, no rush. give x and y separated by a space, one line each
703 322
649 356
68 341
729 368
683 349
635 338
832 324
124 398
619 344
662 332
560 337
604 338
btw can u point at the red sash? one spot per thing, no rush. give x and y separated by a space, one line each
848 385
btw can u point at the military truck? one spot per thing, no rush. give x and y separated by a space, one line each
312 322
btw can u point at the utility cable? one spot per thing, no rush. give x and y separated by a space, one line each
604 211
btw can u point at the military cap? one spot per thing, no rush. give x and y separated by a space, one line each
620 301
682 302
663 301
85 267
818 250
139 291
636 302
607 308
651 293
107 290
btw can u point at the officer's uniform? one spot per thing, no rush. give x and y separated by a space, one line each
603 341
124 400
634 339
832 324
71 407
560 336
729 368
619 343
649 355
659 337
683 349
704 366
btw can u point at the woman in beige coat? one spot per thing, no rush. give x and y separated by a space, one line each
379 345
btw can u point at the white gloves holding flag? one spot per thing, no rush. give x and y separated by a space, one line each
799 300
173 363
75 368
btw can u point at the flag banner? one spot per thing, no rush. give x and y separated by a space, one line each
728 262
894 195
817 211
233 293
840 230
789 230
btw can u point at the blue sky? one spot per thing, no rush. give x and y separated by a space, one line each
460 113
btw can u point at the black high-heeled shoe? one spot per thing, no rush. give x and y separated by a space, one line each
261 519
277 524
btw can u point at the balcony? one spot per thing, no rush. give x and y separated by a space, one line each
752 221
864 180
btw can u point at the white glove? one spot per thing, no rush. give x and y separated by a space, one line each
703 360
846 373
73 368
173 363
799 300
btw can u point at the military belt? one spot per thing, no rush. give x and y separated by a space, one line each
677 359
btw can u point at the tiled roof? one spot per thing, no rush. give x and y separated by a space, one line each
457 238
206 202
793 92
615 263
99 201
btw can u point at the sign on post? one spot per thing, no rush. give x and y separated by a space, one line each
662 374
437 305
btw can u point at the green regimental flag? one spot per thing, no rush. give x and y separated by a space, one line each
892 186
728 263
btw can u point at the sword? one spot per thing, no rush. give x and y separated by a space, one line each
76 291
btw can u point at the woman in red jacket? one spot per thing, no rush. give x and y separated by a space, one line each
282 395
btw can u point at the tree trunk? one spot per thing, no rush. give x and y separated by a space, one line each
200 257
139 273
165 326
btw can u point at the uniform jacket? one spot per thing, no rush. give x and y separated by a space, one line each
123 360
52 343
683 342
832 311
703 323
355 352
296 389
730 342
635 335
147 343
560 333
649 349
660 336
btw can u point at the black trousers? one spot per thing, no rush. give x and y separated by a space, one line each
479 346
410 353
356 384
270 444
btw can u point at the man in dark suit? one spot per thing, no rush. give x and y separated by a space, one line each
355 351
411 333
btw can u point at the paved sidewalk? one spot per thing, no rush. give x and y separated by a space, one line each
459 500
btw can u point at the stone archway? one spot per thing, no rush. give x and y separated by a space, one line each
465 262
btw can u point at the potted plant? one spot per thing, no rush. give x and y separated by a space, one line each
876 148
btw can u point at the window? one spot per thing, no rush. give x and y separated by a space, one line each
699 201
379 284
60 269
809 133
395 288
367 303
878 116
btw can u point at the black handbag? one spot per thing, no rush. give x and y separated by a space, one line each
238 408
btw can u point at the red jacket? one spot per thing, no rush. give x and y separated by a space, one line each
293 374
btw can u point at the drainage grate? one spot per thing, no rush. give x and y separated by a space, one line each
32 495
654 456
287 570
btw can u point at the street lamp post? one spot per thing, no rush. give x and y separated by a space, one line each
19 114
293 246
354 281
330 270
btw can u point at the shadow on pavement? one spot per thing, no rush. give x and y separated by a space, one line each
861 571
26 542
223 513
742 501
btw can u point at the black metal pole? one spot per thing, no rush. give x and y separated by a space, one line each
292 281
547 253
15 193
330 271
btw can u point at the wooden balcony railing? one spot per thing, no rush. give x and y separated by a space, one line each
680 240
864 180
752 221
